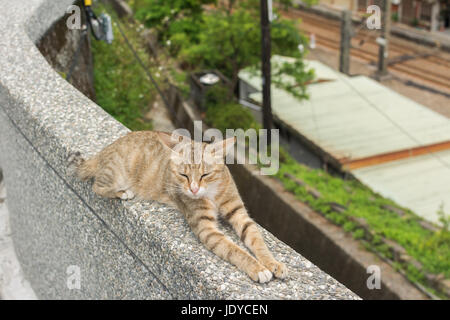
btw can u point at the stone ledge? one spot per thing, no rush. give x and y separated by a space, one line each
124 249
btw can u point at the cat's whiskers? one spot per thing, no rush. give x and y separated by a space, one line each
172 187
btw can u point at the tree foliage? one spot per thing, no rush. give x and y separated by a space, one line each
226 36
226 42
157 13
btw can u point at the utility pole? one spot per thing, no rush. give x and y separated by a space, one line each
346 30
266 72
383 41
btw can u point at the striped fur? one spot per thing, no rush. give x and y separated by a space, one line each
141 165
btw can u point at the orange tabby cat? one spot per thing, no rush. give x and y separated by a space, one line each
142 164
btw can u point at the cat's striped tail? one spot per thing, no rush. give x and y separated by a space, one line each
84 169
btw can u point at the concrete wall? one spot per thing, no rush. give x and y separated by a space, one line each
122 249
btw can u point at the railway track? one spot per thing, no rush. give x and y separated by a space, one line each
408 60
403 68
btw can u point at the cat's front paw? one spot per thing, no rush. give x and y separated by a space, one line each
260 274
264 276
278 269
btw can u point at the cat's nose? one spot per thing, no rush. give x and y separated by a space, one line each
194 188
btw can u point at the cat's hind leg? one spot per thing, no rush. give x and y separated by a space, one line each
108 185
112 193
126 194
107 191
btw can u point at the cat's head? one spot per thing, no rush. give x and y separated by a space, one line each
196 167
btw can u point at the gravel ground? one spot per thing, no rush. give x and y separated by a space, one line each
435 101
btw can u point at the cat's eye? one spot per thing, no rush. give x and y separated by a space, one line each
182 174
204 175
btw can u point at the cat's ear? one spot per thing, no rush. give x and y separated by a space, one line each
168 139
219 150
176 143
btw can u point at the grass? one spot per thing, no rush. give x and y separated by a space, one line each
122 88
431 249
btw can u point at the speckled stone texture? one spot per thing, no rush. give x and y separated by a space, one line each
125 250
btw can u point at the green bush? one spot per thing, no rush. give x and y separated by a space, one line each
226 38
230 116
216 95
358 234
223 113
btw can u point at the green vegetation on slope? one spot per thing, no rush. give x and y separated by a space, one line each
431 249
121 86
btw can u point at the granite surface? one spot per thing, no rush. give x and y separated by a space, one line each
124 250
